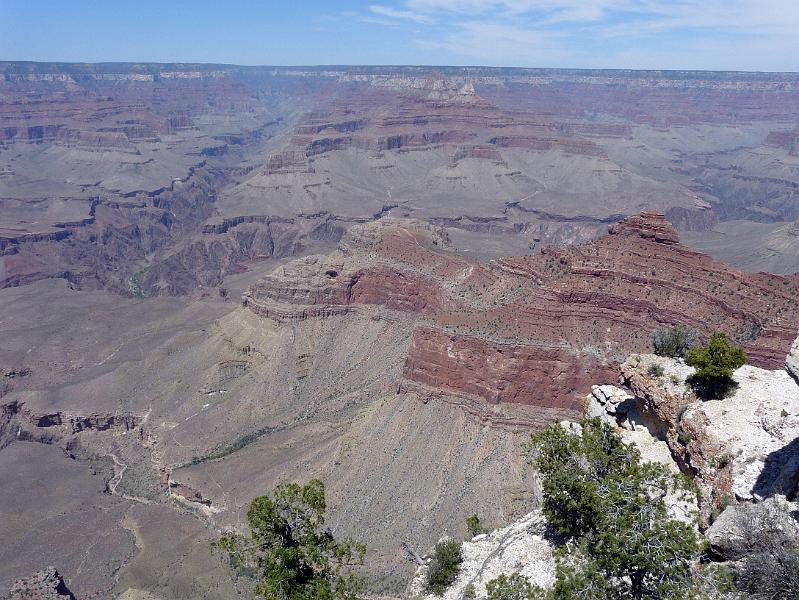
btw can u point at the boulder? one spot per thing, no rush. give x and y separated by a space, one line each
518 548
744 528
612 405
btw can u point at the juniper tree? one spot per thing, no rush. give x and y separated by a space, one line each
714 366
610 506
289 552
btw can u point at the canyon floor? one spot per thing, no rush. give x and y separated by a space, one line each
214 279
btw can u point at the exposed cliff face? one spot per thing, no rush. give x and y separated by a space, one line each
535 330
518 155
741 448
18 422
792 360
500 372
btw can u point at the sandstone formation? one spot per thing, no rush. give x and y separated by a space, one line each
532 330
523 157
426 271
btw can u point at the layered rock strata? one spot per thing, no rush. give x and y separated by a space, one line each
533 330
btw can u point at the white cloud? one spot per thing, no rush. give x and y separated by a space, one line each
392 13
656 33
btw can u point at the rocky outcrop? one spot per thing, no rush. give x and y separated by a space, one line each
187 493
744 447
648 225
46 584
792 360
743 528
518 548
19 422
496 372
611 405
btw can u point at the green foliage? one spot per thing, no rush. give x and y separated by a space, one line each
513 587
444 567
674 342
598 493
232 448
714 366
714 581
469 591
474 526
134 284
656 370
290 552
572 467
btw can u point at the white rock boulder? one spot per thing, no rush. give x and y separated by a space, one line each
518 548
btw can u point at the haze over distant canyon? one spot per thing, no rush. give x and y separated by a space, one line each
216 278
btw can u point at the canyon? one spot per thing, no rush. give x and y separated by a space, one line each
215 278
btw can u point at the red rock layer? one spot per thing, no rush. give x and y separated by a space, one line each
538 376
539 330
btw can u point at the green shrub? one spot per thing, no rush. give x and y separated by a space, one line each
469 591
289 551
474 526
714 366
598 493
444 567
675 341
656 370
513 587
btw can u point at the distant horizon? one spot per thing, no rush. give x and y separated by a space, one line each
748 36
385 65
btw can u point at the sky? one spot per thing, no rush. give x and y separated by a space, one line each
752 35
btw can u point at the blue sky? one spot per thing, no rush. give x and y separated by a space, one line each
660 34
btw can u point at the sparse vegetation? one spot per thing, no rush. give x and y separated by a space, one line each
656 370
770 569
513 587
230 448
289 552
714 366
609 505
674 342
444 567
134 284
474 526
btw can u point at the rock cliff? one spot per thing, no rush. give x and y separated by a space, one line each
533 330
521 547
742 448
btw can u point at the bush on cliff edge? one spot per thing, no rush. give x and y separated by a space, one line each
610 506
444 567
714 366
